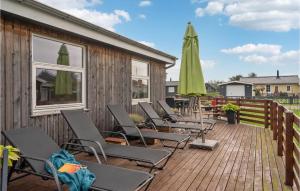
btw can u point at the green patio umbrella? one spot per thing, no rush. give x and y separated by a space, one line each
191 80
63 81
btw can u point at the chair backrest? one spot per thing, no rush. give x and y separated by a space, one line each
171 101
123 119
166 107
150 112
32 142
82 126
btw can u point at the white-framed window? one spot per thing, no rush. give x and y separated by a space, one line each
171 89
58 76
140 81
288 88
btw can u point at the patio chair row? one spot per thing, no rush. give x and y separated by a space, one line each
36 147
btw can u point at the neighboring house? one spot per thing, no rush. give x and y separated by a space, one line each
274 85
102 68
172 88
236 89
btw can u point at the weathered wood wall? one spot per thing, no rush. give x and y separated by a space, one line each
108 79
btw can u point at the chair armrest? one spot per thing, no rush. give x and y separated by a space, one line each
79 145
95 142
117 133
54 171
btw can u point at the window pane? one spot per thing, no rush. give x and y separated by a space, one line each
48 51
140 89
171 89
58 87
139 68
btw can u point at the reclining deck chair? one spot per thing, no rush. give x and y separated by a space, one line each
87 134
131 130
158 122
174 117
36 147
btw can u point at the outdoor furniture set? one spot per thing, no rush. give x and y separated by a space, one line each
36 147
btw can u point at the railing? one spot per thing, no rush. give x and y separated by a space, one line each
4 170
252 111
285 127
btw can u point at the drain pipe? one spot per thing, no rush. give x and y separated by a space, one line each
171 65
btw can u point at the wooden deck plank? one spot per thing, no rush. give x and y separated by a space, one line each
246 159
233 165
189 165
258 162
244 164
213 161
177 164
251 164
267 179
209 157
220 179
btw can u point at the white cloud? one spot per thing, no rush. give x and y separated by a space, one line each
150 44
214 7
264 54
175 70
254 48
142 16
271 15
82 9
199 12
208 64
145 3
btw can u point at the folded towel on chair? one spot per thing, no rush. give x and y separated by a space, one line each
79 180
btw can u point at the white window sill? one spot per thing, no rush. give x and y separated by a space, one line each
136 101
53 111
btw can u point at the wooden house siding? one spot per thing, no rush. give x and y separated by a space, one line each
108 78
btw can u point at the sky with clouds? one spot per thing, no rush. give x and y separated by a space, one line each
236 36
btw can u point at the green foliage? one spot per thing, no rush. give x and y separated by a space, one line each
136 118
13 154
252 74
236 77
230 107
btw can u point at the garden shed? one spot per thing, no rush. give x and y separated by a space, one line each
236 89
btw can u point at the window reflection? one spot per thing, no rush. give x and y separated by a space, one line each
139 68
139 88
57 87
46 51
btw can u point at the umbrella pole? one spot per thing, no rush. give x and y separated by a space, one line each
201 120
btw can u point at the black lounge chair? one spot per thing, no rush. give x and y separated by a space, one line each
36 147
131 130
87 134
176 117
158 122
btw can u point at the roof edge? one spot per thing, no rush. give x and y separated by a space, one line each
39 12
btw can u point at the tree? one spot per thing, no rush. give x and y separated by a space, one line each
252 74
236 78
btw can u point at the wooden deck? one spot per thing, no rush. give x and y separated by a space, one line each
246 159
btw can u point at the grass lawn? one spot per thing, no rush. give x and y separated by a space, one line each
297 112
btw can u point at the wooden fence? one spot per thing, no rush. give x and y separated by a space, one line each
284 125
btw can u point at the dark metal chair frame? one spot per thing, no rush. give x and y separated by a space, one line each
23 165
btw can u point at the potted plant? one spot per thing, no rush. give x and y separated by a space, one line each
230 110
13 154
